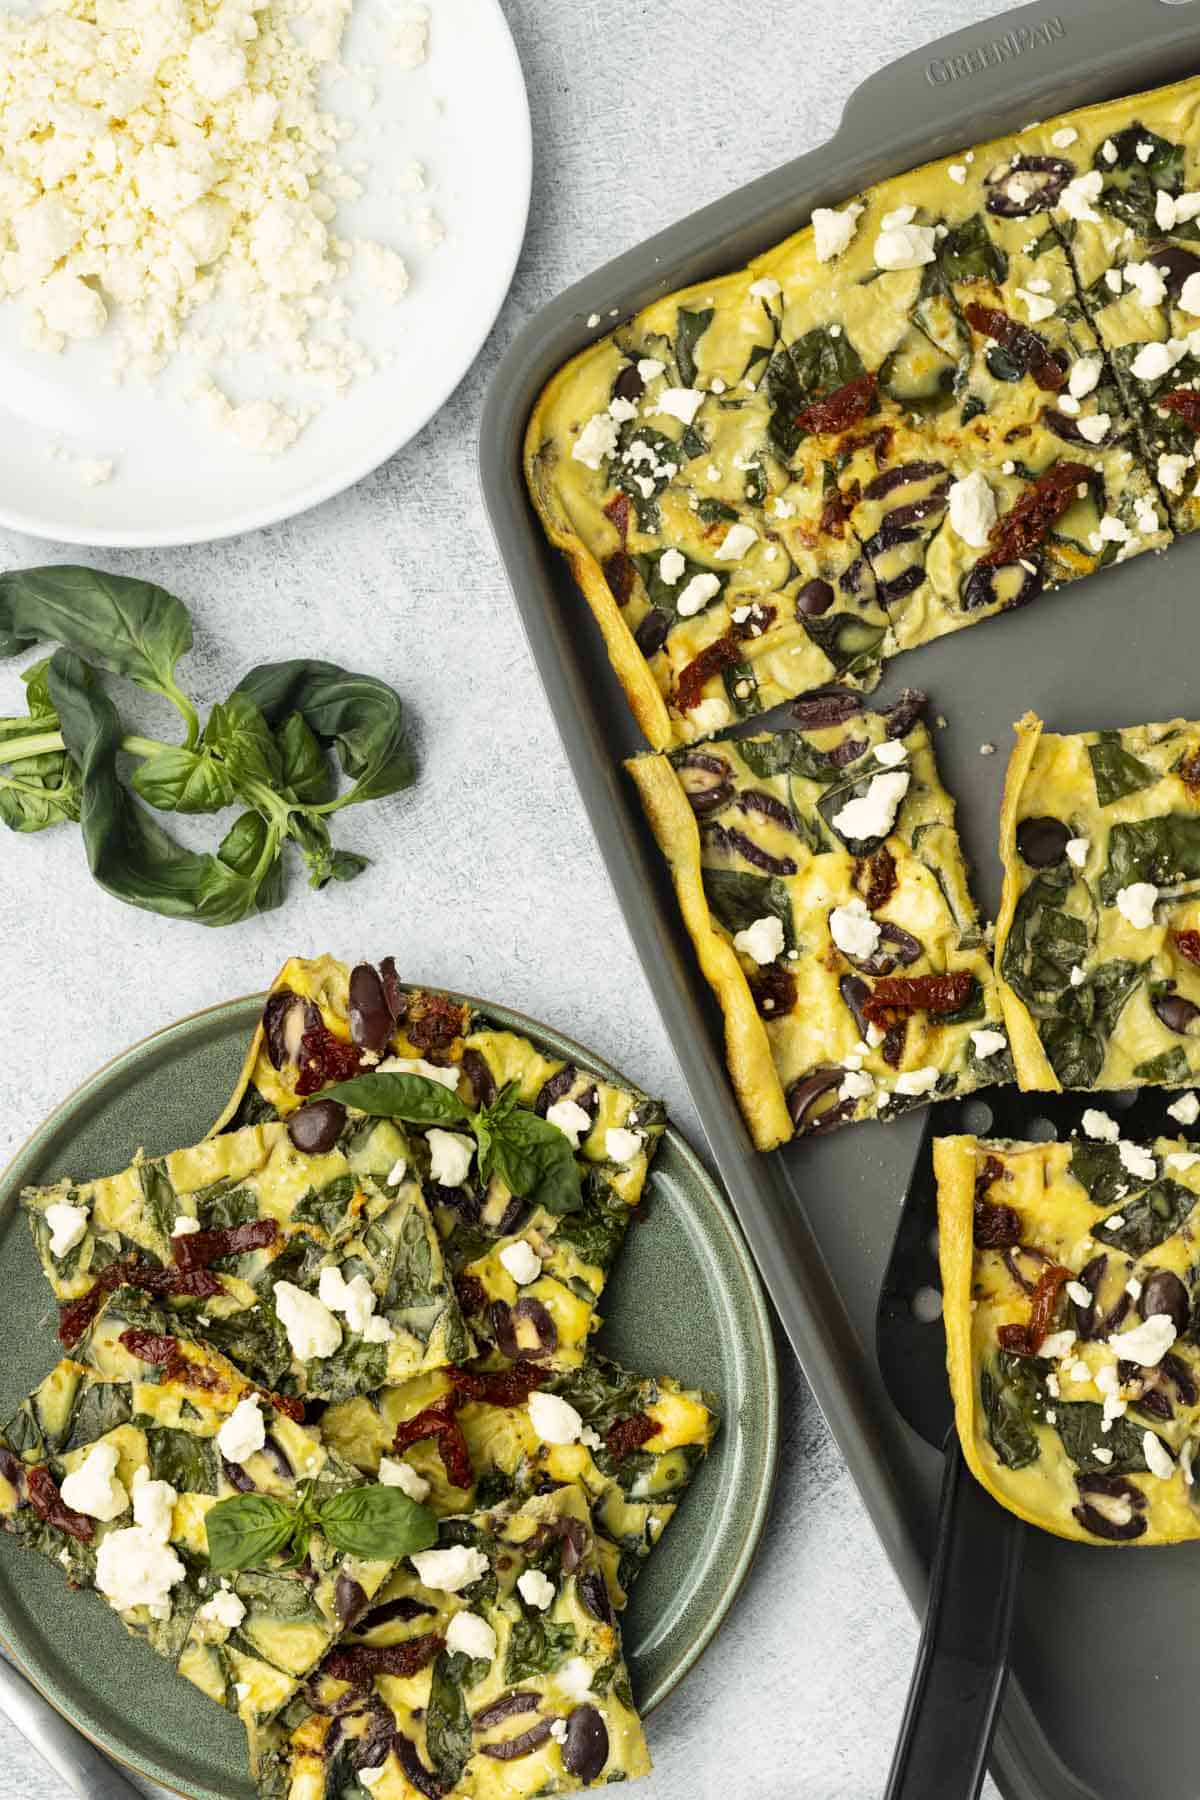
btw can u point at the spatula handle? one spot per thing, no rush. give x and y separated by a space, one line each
962 1662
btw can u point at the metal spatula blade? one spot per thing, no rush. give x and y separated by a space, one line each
962 1663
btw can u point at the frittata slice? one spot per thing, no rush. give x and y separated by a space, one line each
822 883
1070 1282
232 1229
307 1041
109 1469
508 1684
1134 240
471 1436
1098 941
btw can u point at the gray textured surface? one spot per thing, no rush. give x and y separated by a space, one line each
485 876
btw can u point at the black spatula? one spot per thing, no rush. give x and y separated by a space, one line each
962 1663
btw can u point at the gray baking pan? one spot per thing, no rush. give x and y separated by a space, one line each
1107 1652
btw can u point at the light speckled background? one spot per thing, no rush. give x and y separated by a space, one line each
485 876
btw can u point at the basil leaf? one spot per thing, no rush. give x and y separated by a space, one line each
536 1646
414 1098
447 1721
1115 772
187 781
378 1523
852 645
1079 1424
237 729
247 1529
357 715
690 327
1099 1167
128 627
1171 1066
738 899
324 863
665 595
1013 1395
131 856
533 1158
967 253
305 769
1162 850
41 790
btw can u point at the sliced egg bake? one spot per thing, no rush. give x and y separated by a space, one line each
528 1267
969 384
1098 941
491 1667
1071 1281
822 883
311 1257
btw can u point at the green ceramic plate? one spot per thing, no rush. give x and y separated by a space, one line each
685 1299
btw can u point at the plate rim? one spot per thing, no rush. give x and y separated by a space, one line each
762 1498
316 493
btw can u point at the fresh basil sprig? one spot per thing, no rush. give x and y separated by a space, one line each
380 1524
266 748
532 1157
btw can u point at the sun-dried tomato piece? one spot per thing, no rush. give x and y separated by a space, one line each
498 1387
894 1038
837 509
49 1505
774 990
434 1020
438 1421
917 993
712 659
150 1346
1040 507
845 407
1188 945
196 1249
1184 403
456 1457
324 1059
995 1227
360 1663
288 1404
1026 1340
618 510
875 878
75 1316
619 572
1025 346
628 1435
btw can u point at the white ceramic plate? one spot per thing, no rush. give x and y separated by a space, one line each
464 115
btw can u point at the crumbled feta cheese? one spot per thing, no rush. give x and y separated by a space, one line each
891 752
1112 280
1136 903
856 1085
988 1043
1085 376
679 403
1146 1343
596 442
765 288
416 1065
874 814
1108 151
622 410
450 1155
832 230
67 1226
137 1568
402 1475
1152 362
1101 1125
853 930
917 1081
957 173
1185 1110
185 1226
1171 472
710 715
397 1172
905 247
370 1778
355 1300
555 1420
736 542
469 1635
973 510
1148 283
1077 976
1038 306
94 1487
763 940
1189 294
650 368
1077 851
1136 1160
1096 428
620 1145
536 1590
243 1432
520 1259
311 1328
153 1503
1182 1160
1082 1296
1077 198
575 1679
697 594
1057 1345
572 1120
1064 137
449 1570
1113 531
225 1609
671 567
